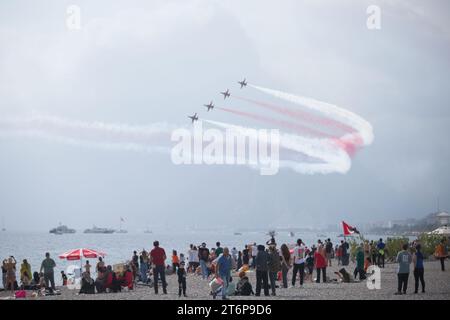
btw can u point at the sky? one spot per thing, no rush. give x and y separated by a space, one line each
137 63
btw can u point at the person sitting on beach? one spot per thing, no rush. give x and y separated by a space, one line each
34 283
244 287
25 281
101 280
87 267
128 279
87 284
181 273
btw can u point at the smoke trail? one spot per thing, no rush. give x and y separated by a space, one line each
155 137
333 158
286 124
300 115
364 129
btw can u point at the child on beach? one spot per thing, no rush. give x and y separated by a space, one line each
175 261
181 273
64 278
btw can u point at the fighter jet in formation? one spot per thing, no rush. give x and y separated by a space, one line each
242 83
225 94
194 117
209 106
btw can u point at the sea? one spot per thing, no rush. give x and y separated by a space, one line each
119 247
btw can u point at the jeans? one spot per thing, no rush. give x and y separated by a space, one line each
273 279
49 277
324 274
284 272
402 282
418 275
144 269
226 281
161 271
442 263
204 269
262 278
301 269
361 272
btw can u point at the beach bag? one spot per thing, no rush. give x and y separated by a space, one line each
21 294
216 284
231 289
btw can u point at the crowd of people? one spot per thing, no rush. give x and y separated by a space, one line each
216 266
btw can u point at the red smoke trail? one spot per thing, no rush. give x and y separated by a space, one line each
349 145
290 125
301 115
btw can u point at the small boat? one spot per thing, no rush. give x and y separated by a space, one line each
99 230
238 234
147 231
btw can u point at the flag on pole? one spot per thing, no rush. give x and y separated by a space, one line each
348 229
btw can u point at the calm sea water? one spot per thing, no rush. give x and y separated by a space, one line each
119 247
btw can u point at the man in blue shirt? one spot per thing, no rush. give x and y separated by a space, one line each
223 269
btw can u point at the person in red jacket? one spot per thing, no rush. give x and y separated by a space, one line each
320 263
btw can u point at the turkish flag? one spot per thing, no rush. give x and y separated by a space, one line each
348 229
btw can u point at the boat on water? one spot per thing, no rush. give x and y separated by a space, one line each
62 229
95 229
238 234
147 231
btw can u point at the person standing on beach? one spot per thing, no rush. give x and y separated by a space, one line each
100 265
404 259
135 264
320 263
299 262
254 253
203 255
329 251
181 274
219 249
359 269
193 259
441 253
246 255
10 267
25 267
418 269
143 266
223 270
274 266
87 267
158 258
262 268
285 263
380 247
48 264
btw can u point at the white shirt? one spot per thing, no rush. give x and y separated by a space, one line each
299 254
193 256
254 251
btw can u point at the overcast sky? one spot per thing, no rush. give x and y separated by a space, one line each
142 62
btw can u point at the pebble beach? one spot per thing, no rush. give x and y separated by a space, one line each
437 288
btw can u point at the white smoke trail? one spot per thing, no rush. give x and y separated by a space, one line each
151 138
363 127
334 158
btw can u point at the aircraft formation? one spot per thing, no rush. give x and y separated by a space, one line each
210 106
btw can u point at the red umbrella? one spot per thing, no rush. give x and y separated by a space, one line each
78 254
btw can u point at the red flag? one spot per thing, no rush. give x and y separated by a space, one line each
348 230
